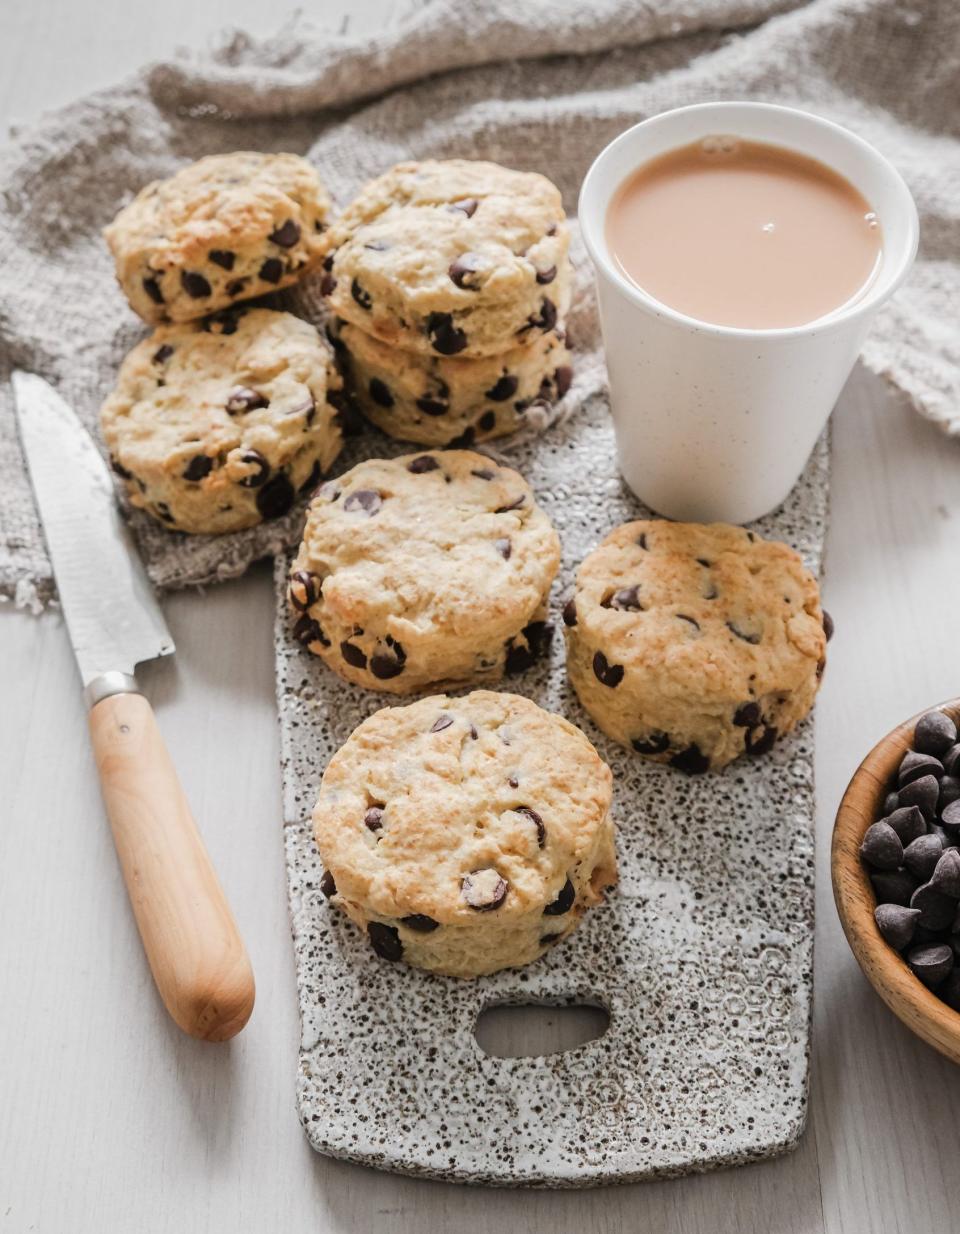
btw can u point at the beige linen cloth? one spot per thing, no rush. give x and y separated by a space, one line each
539 84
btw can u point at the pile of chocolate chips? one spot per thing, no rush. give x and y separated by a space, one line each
913 855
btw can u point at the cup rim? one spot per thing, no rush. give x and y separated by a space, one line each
860 307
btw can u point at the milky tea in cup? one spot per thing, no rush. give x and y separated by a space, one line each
743 233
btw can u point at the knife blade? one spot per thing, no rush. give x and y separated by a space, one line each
112 614
195 952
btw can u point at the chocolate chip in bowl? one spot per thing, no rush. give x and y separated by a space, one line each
896 874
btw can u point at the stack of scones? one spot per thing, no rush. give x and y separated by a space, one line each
448 282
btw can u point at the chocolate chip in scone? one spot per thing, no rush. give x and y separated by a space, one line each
896 923
922 854
373 818
746 635
691 621
234 288
308 631
223 258
432 406
504 548
445 337
527 647
484 473
420 922
353 655
547 317
484 889
361 295
260 472
366 499
881 847
242 398
607 674
442 721
328 284
286 235
894 886
908 822
194 284
691 761
570 612
119 468
162 354
547 276
654 742
463 441
304 589
423 463
385 940
946 875
327 885
505 388
935 733
436 402
199 466
487 421
923 793
276 497
464 269
827 624
748 715
388 659
151 286
627 599
537 821
226 321
563 377
163 510
466 205
761 740
380 392
937 910
915 765
931 962
564 901
271 271
511 505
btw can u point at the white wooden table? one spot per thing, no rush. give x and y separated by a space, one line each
111 1120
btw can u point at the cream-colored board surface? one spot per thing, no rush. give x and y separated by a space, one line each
114 1121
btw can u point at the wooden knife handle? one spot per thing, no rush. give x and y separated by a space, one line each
195 951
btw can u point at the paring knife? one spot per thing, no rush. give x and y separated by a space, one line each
197 957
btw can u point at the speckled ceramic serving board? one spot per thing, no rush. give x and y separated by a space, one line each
702 956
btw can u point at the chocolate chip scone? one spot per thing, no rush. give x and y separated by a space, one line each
226 228
424 569
217 425
466 835
692 644
451 258
439 401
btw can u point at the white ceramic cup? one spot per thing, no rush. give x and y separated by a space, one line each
715 423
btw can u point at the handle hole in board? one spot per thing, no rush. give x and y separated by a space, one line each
532 1030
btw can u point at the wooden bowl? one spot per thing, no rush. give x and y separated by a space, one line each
905 995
